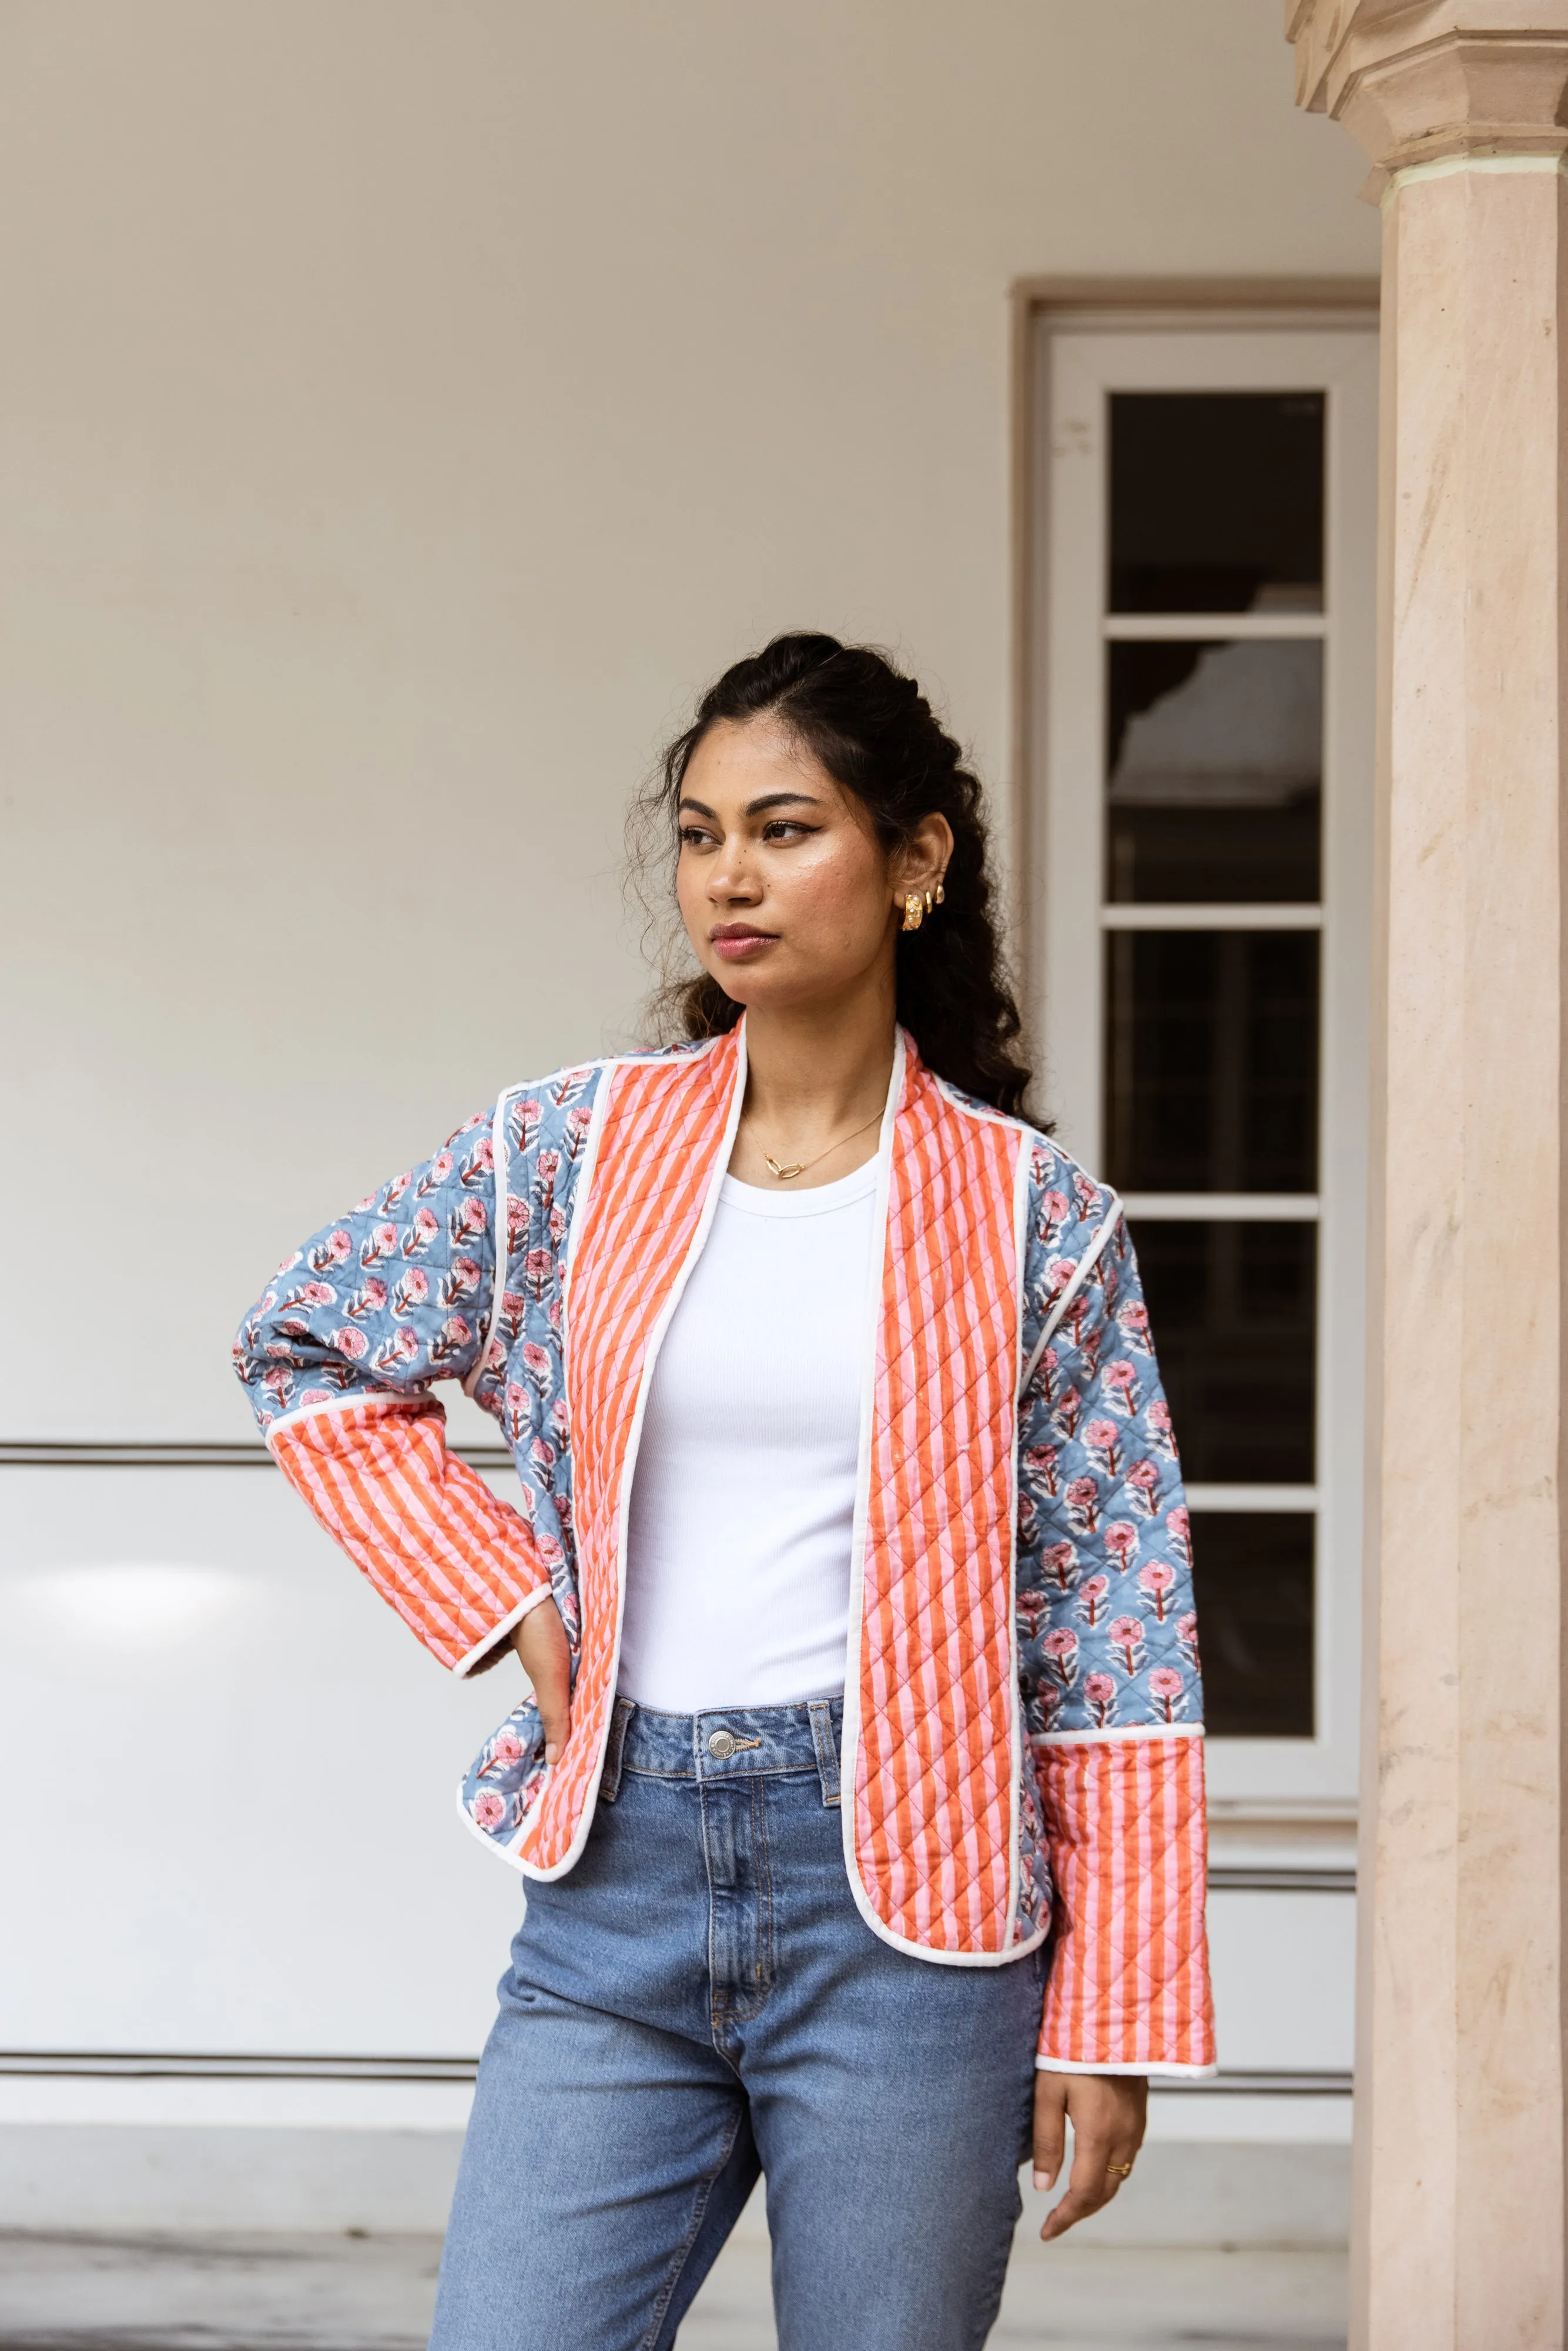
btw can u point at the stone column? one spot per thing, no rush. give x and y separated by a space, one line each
1459 2223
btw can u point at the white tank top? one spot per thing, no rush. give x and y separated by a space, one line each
737 1575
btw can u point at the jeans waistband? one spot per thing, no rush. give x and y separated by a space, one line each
727 1743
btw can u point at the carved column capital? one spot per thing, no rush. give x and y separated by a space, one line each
1417 81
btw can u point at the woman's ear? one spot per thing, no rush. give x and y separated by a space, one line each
920 863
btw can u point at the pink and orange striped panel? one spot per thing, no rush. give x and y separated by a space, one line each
664 1124
452 1559
1128 1982
934 1834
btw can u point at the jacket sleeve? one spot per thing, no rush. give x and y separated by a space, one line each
1109 1662
338 1357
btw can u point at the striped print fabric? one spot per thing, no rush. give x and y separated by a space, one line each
1128 1983
451 1558
656 1157
935 1833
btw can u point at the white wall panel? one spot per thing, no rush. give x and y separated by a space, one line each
230 1820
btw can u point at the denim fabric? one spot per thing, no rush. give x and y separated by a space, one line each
698 2000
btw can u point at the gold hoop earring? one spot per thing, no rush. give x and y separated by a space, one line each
914 912
939 893
930 901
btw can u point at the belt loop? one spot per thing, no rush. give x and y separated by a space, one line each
614 1747
821 1713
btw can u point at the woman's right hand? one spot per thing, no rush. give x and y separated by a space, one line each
542 1644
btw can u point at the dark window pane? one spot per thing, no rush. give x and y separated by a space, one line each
1252 1571
1215 756
1232 1310
1211 1060
1217 501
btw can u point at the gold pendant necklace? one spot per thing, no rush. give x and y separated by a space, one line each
799 1167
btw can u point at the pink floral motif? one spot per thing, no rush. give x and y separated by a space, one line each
378 1242
1031 1607
542 1456
536 1363
1186 1634
1167 1689
1119 1380
413 1289
462 1280
1092 1595
334 1250
577 1123
431 1178
539 1271
1159 1579
1099 1695
517 1410
350 1341
1061 1563
1060 1648
1082 1500
1102 1437
489 1809
1179 1525
421 1230
1143 1481
396 1188
1065 1418
523 1122
371 1298
451 1339
1053 1213
1041 1462
467 1221
1125 1635
1134 1322
480 1162
505 1748
1120 1538
1157 1420
517 1221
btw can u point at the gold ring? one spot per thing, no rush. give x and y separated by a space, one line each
1117 2170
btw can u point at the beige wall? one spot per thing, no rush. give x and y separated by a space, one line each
405 407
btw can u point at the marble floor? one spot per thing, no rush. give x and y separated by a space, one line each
374 2293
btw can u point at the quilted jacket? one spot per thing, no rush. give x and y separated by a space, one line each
1022 1748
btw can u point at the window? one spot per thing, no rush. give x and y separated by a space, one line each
1202 530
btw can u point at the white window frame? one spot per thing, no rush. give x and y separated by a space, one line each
1075 359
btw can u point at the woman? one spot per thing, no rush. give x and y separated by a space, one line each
859 1795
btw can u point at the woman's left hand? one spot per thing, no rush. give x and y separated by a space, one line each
1108 2113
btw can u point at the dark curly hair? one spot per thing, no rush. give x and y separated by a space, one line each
876 735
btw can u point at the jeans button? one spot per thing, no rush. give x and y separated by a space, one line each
721 1743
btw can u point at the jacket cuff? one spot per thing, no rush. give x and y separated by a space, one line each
483 1651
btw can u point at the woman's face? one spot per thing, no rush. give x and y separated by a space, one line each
787 894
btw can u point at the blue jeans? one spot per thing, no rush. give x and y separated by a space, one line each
700 2001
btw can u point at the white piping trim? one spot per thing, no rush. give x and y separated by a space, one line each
1081 1273
408 1400
1150 2065
525 1607
1109 1738
623 1501
505 1853
850 1734
1025 1153
1444 167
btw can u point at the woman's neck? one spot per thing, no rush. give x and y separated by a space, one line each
813 1077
